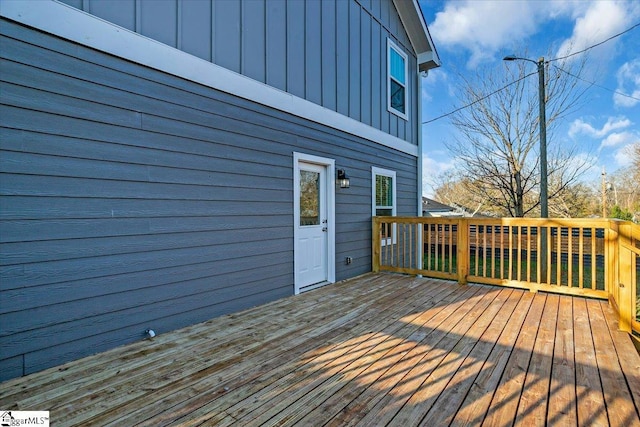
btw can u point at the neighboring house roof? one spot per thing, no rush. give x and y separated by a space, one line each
416 27
430 205
434 208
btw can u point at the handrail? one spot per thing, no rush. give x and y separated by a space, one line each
589 257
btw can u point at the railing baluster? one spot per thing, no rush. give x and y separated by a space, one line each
581 258
593 259
549 247
429 246
436 249
538 255
393 233
502 263
443 254
519 255
510 253
570 257
492 257
463 250
450 248
559 256
375 245
415 239
528 253
475 245
484 251
410 248
404 245
441 257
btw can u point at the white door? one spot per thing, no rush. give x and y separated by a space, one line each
312 225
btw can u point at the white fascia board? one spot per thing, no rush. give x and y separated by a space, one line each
75 25
428 61
416 28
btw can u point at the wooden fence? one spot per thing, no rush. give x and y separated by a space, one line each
593 258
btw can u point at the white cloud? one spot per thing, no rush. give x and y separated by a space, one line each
601 20
628 76
617 139
579 126
622 155
431 169
481 27
486 27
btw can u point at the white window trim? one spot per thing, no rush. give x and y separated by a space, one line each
80 27
392 45
376 171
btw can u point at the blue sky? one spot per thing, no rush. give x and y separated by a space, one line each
478 33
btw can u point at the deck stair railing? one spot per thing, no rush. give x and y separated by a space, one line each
597 258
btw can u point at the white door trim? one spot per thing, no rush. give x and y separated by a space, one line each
330 186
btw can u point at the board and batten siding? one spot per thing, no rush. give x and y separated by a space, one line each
133 199
329 52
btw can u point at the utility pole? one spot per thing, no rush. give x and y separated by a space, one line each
542 118
544 189
604 192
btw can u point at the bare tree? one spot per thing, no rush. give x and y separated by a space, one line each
460 194
623 187
576 201
497 141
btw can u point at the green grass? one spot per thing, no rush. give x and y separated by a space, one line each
496 265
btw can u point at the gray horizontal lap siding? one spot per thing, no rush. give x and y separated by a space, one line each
134 199
330 52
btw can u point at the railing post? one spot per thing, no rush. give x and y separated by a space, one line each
611 250
622 275
420 237
376 244
545 251
462 250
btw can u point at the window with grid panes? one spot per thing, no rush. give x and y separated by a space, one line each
384 198
396 80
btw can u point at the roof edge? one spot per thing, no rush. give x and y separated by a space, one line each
418 32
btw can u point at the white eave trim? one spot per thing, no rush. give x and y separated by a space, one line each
72 24
413 22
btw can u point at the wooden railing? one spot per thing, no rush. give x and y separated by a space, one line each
588 257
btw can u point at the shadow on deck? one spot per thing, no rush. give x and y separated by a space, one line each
381 349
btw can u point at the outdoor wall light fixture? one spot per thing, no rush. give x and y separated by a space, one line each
343 179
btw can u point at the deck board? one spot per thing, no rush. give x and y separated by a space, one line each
532 410
562 388
590 398
505 400
617 396
382 349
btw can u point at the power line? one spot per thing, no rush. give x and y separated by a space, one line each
597 85
479 99
550 60
595 45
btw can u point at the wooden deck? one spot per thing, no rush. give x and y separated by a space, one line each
378 350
